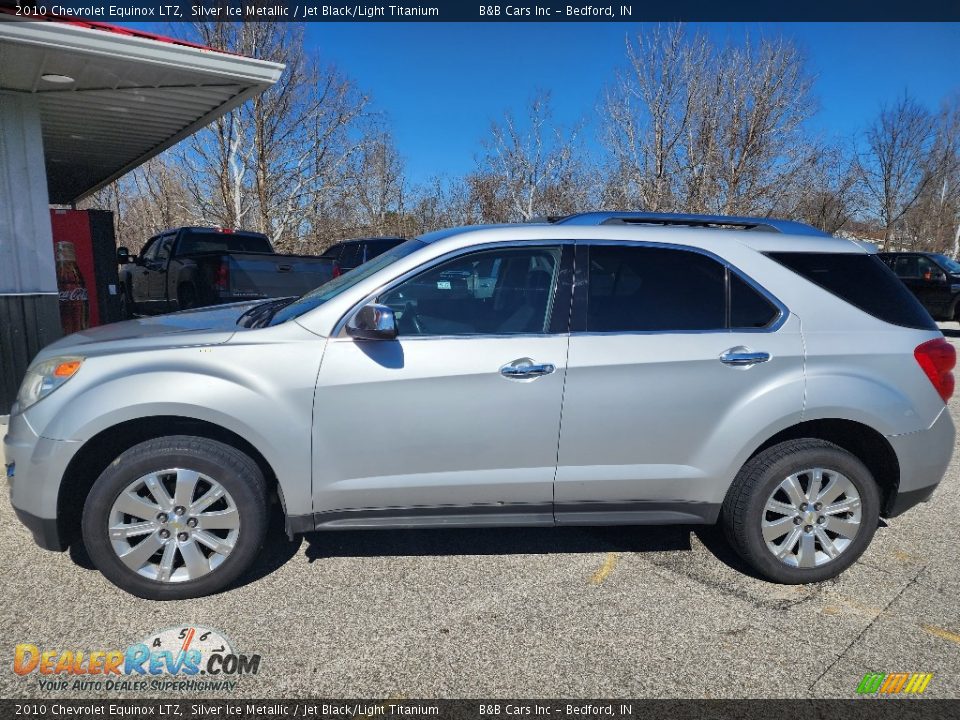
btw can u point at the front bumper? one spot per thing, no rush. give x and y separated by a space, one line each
39 465
924 457
45 531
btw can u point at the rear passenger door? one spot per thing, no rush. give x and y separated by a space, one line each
675 362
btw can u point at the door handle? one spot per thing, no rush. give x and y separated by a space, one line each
525 368
743 357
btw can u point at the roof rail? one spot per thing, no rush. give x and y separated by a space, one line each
683 220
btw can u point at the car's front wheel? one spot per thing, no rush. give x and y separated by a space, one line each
176 517
802 511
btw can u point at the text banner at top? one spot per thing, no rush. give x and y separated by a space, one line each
113 11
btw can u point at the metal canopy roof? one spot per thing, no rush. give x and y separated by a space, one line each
133 94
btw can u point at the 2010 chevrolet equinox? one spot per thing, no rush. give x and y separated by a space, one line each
606 368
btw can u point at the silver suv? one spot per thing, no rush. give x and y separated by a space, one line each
606 368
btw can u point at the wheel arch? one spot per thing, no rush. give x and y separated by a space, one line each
862 441
103 448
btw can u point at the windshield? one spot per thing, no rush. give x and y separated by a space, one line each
328 291
952 266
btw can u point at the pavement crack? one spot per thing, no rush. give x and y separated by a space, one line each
883 610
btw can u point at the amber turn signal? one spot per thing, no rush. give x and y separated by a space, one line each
66 369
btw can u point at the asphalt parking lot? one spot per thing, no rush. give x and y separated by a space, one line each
615 612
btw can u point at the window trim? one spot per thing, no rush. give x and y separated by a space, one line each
581 286
562 295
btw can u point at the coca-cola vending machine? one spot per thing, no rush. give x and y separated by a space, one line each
86 253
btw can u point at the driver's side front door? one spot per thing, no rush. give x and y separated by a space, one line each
139 273
455 422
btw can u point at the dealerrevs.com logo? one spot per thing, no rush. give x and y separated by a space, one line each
894 683
178 658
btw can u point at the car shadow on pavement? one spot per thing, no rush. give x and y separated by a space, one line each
950 333
495 541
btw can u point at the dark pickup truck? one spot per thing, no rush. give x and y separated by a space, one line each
196 266
932 277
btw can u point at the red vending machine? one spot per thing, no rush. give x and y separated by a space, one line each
86 253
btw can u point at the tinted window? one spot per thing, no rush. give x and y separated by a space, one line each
200 241
929 269
748 308
640 288
504 291
351 254
163 247
332 252
950 265
905 266
864 282
376 247
150 249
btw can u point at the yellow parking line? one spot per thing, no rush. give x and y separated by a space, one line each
600 575
941 633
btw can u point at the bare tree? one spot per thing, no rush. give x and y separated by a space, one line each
763 149
529 168
269 164
646 113
697 128
830 195
895 162
378 186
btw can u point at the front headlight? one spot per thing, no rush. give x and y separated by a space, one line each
45 377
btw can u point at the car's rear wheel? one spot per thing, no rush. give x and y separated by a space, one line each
802 511
176 517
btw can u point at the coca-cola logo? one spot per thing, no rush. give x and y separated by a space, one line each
74 294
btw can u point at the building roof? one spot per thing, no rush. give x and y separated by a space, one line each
132 95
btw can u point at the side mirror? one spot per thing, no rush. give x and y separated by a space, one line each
123 256
373 322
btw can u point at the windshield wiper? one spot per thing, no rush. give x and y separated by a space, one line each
260 315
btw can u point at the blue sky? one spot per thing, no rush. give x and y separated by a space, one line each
440 85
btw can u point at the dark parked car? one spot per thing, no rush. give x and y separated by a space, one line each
196 266
349 254
932 277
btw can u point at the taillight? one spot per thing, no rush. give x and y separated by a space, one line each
937 359
336 269
221 279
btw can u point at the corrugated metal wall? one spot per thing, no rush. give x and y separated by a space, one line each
29 310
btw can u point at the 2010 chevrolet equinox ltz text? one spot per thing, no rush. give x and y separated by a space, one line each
605 368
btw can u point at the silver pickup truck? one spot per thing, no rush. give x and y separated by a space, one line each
191 267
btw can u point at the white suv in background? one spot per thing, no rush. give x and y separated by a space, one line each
606 368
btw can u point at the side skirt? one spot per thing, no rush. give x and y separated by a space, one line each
518 515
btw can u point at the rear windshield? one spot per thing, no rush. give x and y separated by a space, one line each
862 280
193 242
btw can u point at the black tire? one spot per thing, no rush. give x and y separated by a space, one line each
233 470
186 297
743 508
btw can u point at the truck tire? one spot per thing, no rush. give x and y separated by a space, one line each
802 511
176 517
186 297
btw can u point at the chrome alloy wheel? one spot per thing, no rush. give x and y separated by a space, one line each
173 525
811 518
